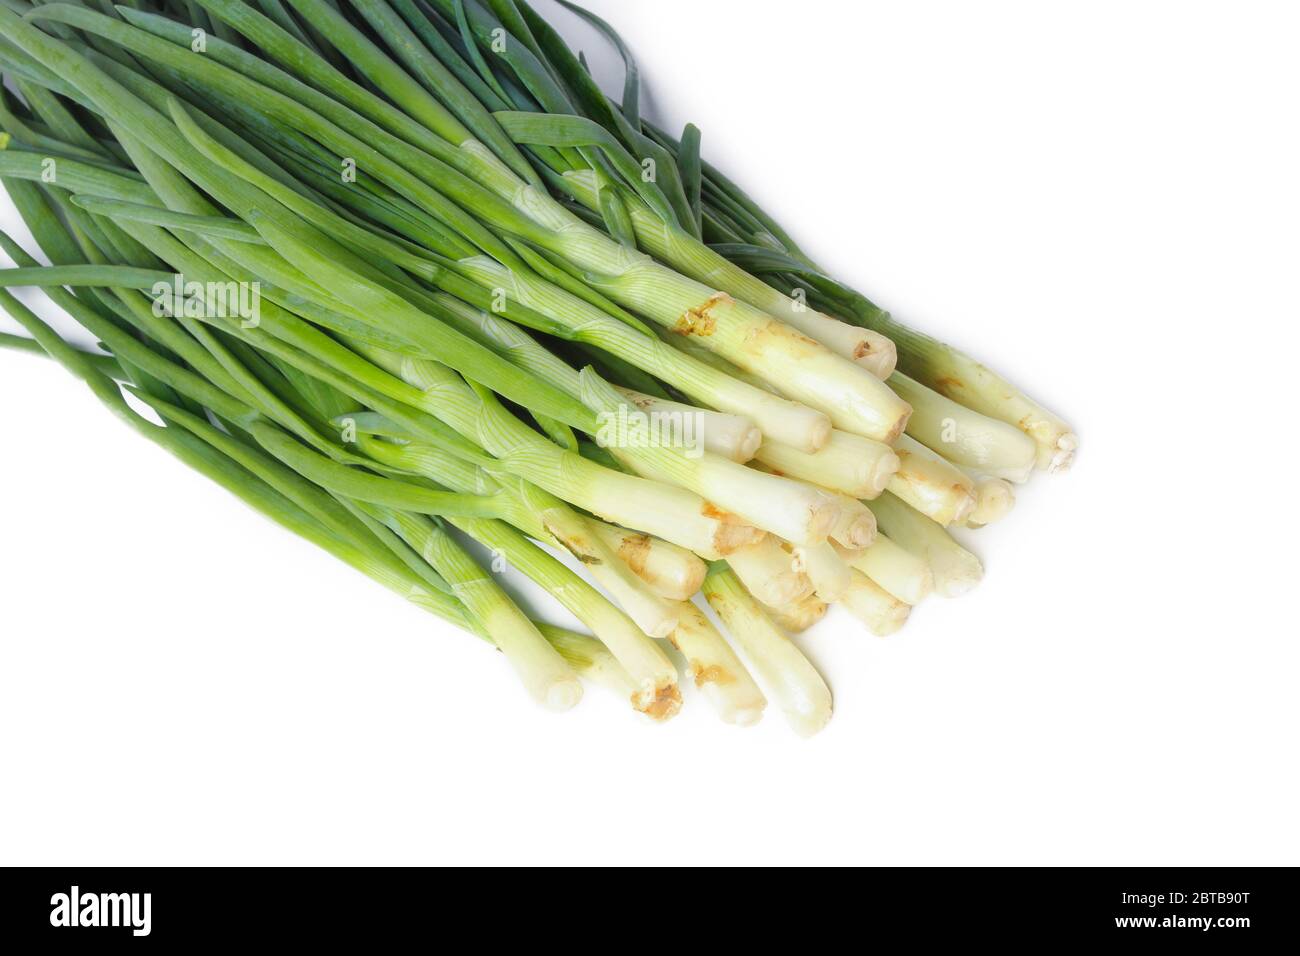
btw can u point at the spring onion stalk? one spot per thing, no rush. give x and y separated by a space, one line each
653 614
799 616
955 569
931 484
650 672
683 252
804 370
787 674
707 382
767 570
671 572
119 277
872 350
825 569
589 658
666 511
786 508
900 572
733 437
880 611
847 463
546 518
994 499
652 677
960 378
543 671
716 670
966 437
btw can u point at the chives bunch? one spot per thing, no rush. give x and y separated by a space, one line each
455 266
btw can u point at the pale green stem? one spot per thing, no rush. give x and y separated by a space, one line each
931 484
788 675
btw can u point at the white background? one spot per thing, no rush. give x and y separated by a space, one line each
1101 199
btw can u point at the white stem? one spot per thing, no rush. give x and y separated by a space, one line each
802 368
847 463
869 349
652 614
729 436
706 378
767 571
671 572
717 671
590 658
931 484
962 379
829 574
955 569
875 607
789 509
904 575
686 254
788 675
964 436
547 518
544 672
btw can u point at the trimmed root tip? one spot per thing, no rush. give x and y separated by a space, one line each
749 445
885 467
877 358
747 717
737 712
809 723
1063 455
661 703
953 583
562 695
860 534
883 627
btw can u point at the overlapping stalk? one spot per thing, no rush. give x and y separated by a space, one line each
474 305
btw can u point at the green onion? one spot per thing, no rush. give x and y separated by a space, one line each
905 575
399 275
955 570
793 682
882 613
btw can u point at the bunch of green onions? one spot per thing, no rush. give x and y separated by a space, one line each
391 270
